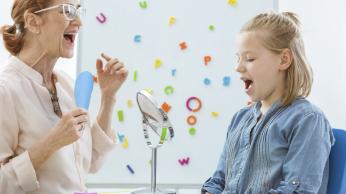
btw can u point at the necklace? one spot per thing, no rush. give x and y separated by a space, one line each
54 98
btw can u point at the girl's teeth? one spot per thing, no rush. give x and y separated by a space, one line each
247 84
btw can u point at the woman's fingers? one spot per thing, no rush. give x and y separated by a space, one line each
106 57
116 67
78 111
110 63
81 119
99 66
123 72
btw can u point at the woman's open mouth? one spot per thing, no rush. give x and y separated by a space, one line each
70 38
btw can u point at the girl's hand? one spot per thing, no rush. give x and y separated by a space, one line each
111 76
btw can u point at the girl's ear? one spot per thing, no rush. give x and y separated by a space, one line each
286 59
33 22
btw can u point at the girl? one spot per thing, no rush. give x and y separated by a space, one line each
280 143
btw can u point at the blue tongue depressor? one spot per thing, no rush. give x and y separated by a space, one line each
83 88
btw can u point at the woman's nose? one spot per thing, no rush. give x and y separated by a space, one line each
77 21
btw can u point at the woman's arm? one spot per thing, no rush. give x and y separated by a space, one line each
104 117
65 132
17 174
41 151
110 78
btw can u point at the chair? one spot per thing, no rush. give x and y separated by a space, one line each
337 164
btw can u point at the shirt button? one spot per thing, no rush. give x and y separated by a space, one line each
295 182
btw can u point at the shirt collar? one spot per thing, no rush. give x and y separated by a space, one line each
26 70
256 109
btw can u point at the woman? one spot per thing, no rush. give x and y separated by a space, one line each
46 143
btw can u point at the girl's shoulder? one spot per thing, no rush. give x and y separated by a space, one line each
301 107
303 119
302 115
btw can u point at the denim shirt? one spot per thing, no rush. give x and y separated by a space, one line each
284 151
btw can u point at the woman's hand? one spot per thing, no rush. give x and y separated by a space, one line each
111 76
65 132
68 129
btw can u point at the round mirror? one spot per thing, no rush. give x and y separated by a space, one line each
157 129
156 126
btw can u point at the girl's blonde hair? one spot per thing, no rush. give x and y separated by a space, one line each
279 31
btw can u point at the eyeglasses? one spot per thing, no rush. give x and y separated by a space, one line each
70 12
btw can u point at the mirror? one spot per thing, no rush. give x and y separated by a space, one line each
83 88
156 129
155 121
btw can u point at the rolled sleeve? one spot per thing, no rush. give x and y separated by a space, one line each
216 183
286 188
212 186
102 143
25 172
17 174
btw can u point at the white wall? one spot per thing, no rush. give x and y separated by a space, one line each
324 33
5 11
68 65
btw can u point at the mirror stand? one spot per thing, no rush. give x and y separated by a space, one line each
153 189
156 126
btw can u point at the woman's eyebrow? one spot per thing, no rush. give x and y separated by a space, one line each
77 6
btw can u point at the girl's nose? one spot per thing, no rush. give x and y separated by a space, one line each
240 68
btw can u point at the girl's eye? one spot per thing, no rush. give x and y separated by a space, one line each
250 60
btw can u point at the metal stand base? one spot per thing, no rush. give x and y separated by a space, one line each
158 191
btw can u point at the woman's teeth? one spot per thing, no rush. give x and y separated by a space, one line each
69 37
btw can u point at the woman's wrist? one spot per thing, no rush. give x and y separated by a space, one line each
107 104
104 116
42 150
108 99
51 142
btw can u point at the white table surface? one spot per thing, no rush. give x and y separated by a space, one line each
128 191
